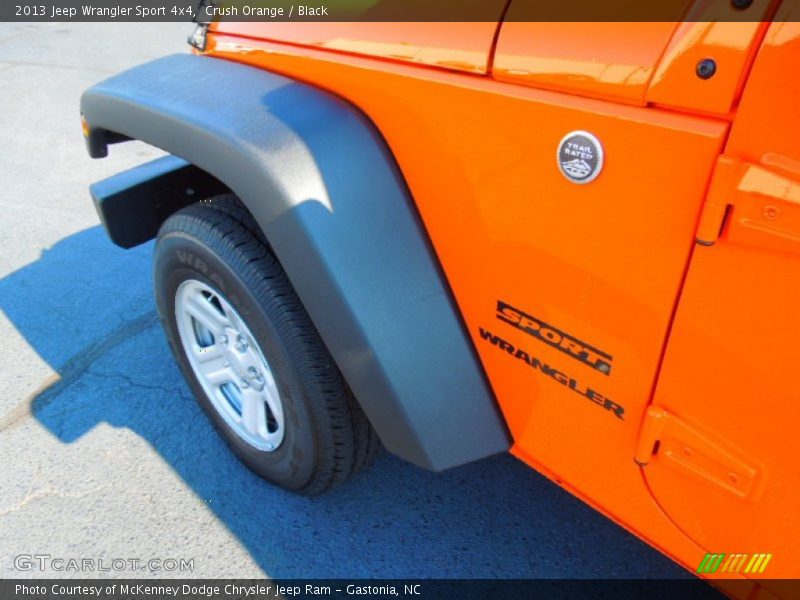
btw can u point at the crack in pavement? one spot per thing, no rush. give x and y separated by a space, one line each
74 368
133 383
48 492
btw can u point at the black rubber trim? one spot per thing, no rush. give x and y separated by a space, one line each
322 185
133 204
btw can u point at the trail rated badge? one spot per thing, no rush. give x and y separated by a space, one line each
580 157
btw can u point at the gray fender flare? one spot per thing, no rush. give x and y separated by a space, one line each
325 189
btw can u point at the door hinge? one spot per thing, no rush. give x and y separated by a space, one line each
753 204
671 442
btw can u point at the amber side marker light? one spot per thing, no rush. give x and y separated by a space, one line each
84 127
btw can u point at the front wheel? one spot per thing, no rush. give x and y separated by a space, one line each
250 353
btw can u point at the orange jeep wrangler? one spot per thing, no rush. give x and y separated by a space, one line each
576 242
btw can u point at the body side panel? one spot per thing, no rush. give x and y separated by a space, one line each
480 161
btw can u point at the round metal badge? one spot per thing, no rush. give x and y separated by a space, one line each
580 157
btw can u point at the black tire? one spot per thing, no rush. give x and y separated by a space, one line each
327 437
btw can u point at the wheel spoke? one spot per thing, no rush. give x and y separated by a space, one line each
273 398
236 321
213 365
254 416
206 313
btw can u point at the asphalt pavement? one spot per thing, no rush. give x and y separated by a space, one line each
103 451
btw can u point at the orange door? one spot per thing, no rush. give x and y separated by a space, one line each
721 440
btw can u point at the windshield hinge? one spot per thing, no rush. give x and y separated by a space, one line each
753 204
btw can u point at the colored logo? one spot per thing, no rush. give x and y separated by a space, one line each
734 563
580 157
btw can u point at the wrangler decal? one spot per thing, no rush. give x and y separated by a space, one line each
556 375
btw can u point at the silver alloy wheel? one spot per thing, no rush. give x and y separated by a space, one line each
229 365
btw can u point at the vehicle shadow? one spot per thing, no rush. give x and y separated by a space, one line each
495 518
